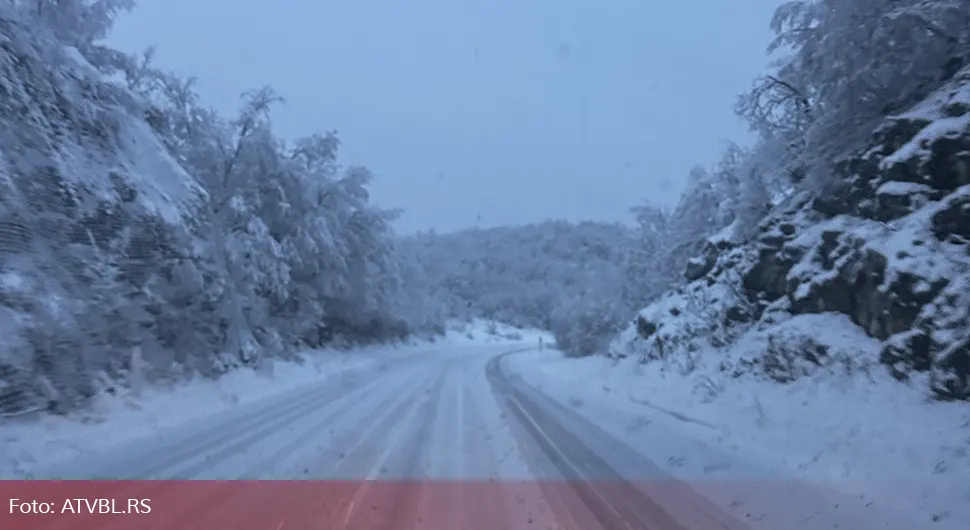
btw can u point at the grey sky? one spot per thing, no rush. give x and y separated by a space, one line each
483 112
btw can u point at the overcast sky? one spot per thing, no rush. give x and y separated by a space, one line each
483 112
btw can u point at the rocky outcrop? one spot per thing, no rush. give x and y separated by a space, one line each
887 244
713 249
952 222
709 310
766 281
902 284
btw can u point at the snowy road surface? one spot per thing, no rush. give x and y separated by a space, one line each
451 438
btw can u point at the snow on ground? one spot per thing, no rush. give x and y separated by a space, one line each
851 428
34 441
110 420
939 128
489 332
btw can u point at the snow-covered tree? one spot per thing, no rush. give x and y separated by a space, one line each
142 232
846 63
643 280
78 23
553 275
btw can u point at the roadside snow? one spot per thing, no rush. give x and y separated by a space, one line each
26 443
849 427
32 442
489 332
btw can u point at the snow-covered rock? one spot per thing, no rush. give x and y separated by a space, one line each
887 245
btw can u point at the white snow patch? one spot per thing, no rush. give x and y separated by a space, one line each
941 127
728 234
162 183
81 63
895 187
30 443
907 243
910 245
13 281
956 91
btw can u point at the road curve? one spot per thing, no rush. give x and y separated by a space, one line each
445 440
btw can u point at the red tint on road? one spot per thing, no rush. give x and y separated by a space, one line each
351 505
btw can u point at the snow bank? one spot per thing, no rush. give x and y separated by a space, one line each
28 443
850 428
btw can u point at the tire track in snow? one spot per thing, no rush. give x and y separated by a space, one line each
591 493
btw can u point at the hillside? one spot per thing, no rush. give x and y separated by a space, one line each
144 238
884 242
79 172
558 276
827 344
829 340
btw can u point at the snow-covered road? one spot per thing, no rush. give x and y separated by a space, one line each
449 437
442 423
